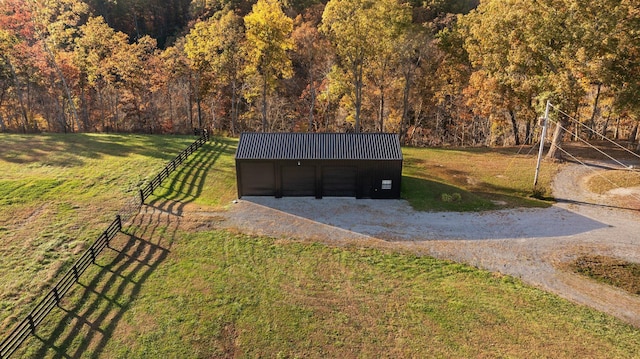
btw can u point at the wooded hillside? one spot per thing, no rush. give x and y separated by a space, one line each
439 72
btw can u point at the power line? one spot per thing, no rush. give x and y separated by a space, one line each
574 158
595 172
624 166
522 146
577 122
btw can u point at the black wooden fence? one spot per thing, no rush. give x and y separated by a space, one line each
28 326
53 298
146 191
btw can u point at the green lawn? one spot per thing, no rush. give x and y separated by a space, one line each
57 193
174 286
208 178
167 293
482 178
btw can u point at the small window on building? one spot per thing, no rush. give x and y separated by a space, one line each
386 184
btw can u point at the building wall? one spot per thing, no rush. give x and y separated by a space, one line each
319 178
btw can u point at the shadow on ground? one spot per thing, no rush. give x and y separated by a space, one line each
26 149
187 183
88 316
396 220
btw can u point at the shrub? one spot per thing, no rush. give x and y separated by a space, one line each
449 198
539 192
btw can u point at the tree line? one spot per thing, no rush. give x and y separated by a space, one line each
438 72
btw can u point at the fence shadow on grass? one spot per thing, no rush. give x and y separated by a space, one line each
131 259
187 183
92 312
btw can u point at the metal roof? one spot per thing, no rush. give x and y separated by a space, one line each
324 146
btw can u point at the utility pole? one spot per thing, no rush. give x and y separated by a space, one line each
542 137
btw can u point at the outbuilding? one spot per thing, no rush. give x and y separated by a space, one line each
360 165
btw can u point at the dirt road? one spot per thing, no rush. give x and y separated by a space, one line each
532 244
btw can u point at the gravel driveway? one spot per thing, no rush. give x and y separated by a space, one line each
532 244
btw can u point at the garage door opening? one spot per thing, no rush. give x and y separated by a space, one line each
298 181
339 181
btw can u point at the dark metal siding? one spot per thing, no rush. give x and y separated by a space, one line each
343 165
256 179
298 181
326 146
339 181
377 171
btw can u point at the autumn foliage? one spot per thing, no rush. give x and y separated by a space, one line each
448 72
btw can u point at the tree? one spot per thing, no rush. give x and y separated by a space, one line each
133 73
413 49
57 26
365 35
200 50
450 70
231 59
390 27
24 60
313 59
347 24
580 51
268 32
624 62
504 40
173 80
97 56
507 71
59 21
215 46
162 20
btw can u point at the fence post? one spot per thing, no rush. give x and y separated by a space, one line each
56 296
31 324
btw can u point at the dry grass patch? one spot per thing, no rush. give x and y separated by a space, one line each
606 181
612 271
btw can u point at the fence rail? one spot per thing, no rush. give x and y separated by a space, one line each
28 326
55 295
147 190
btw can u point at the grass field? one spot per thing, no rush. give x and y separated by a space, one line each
484 179
57 193
218 294
174 288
